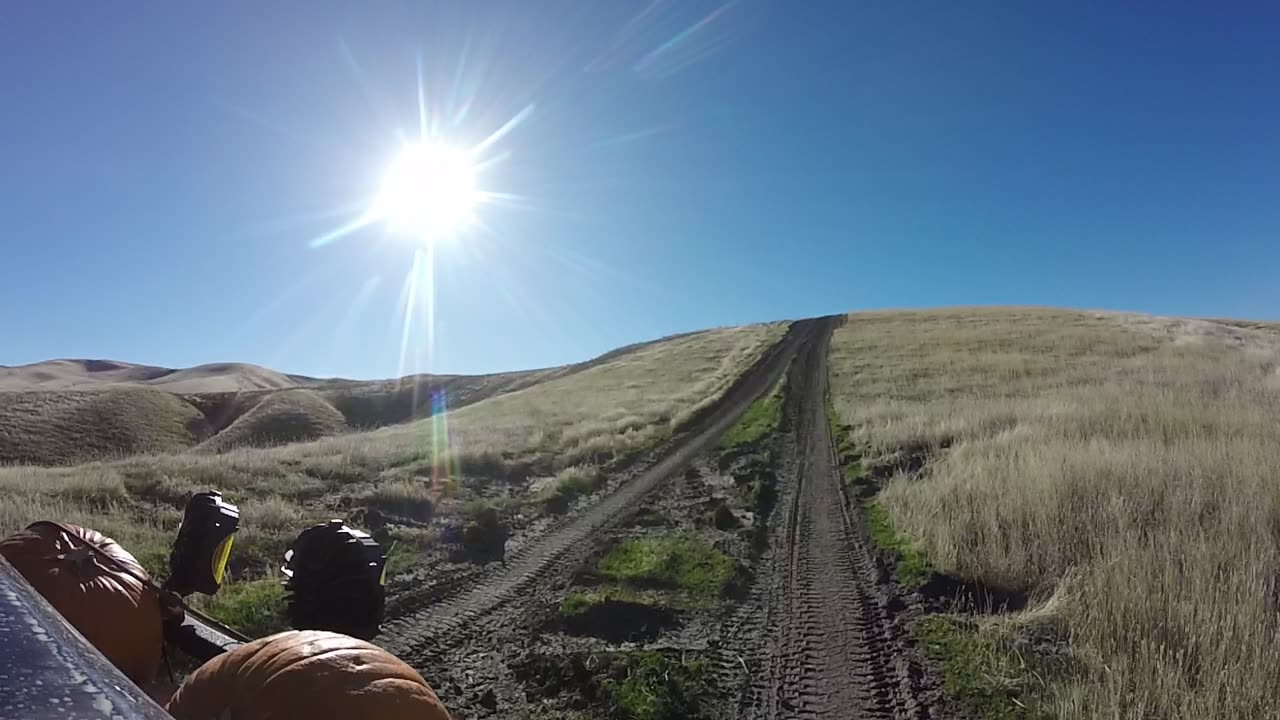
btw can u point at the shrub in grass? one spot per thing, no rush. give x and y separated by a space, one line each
272 514
484 537
571 483
406 498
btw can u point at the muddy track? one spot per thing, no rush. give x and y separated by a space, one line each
434 627
835 642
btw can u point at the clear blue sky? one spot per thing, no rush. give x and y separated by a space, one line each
685 164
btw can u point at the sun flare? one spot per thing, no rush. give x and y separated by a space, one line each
429 192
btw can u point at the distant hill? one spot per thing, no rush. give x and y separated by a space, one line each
280 417
90 374
65 426
60 427
61 412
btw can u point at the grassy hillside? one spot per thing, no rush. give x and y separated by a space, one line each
99 374
280 418
56 428
594 415
81 374
367 405
491 451
41 424
1122 468
228 377
116 418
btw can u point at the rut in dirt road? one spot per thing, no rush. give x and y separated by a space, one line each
496 604
837 647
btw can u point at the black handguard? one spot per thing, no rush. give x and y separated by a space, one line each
200 552
335 581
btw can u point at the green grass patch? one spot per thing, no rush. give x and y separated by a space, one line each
840 432
833 421
911 567
476 509
404 560
977 677
854 476
680 563
853 473
149 540
255 608
258 552
760 420
851 469
406 550
551 712
648 685
576 603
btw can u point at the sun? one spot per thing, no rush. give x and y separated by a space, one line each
428 193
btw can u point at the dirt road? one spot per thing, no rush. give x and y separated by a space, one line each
438 626
820 633
835 643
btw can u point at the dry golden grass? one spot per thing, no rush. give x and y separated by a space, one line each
95 496
101 374
112 414
64 427
593 416
372 404
118 410
1124 465
404 498
280 418
54 428
601 413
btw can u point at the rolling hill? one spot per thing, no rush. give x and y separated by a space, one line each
67 411
63 412
90 374
61 427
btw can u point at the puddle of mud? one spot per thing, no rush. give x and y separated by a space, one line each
619 621
557 677
943 593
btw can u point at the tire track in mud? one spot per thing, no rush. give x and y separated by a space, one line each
824 630
436 625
